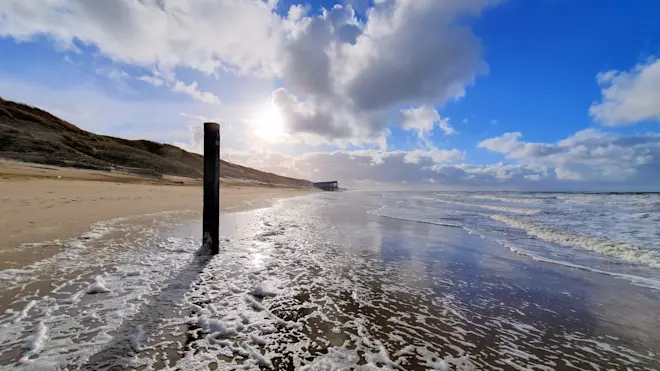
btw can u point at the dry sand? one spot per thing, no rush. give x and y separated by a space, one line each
42 203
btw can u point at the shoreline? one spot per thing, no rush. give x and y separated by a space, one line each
331 277
59 204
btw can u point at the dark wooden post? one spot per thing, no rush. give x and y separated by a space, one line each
211 217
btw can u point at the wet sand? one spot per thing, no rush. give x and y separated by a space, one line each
317 283
48 204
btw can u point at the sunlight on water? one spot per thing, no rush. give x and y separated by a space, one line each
329 281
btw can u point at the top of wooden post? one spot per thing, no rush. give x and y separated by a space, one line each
211 126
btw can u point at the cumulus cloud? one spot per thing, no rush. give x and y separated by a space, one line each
203 34
423 119
350 167
368 169
153 80
629 97
587 160
505 143
193 91
343 77
434 154
588 155
321 119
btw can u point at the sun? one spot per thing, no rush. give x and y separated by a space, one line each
268 124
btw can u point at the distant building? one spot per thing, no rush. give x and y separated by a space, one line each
327 186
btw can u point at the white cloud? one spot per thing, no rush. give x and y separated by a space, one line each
93 109
113 73
296 12
344 77
588 155
629 97
348 75
196 143
587 160
191 90
203 34
434 154
153 80
423 119
565 174
120 76
197 119
506 143
377 169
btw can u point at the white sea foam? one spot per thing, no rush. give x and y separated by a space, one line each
24 312
621 228
35 341
68 324
637 280
286 288
601 245
386 213
262 290
136 338
632 200
516 199
507 209
97 287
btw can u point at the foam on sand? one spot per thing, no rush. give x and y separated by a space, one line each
35 342
286 292
136 338
89 296
97 287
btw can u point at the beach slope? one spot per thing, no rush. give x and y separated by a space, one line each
44 203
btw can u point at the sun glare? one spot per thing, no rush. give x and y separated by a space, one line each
269 124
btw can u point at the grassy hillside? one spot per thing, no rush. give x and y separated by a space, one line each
33 135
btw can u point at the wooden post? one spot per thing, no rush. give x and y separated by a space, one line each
211 214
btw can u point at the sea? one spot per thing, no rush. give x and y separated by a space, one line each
350 281
610 233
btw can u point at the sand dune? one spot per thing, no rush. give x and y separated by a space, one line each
32 135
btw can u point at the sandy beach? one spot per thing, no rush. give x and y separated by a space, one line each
100 271
314 283
43 203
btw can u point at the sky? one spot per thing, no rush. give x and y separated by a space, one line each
536 95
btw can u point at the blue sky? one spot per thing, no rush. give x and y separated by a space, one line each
426 94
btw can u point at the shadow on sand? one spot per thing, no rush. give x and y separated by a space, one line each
117 354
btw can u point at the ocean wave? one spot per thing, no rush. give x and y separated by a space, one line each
520 200
377 212
421 221
649 200
601 245
637 280
507 209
